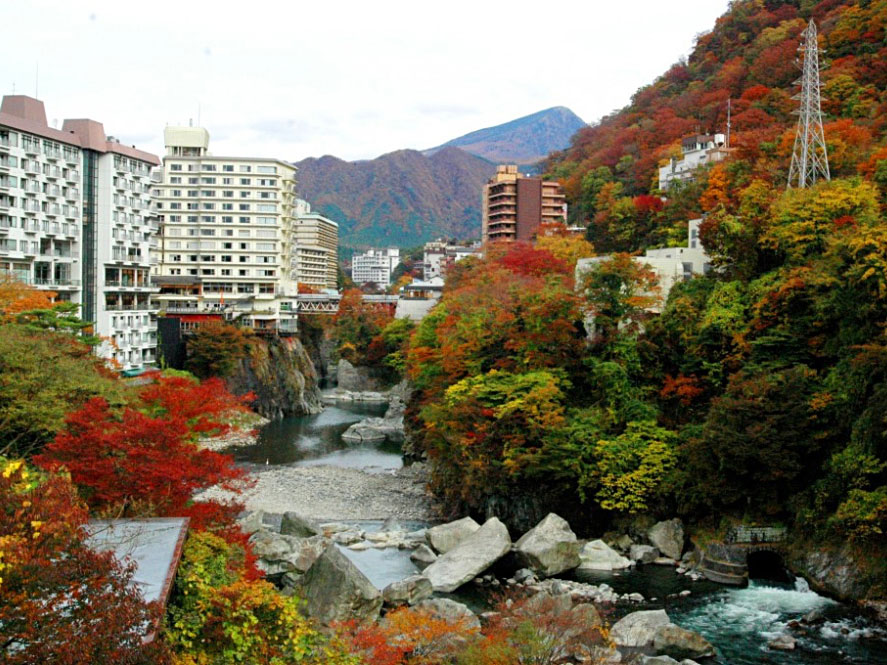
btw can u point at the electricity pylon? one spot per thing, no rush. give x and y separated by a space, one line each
810 156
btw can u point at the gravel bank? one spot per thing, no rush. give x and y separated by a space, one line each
328 493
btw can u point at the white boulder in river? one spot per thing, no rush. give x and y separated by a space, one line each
445 537
549 548
638 629
597 555
668 537
469 558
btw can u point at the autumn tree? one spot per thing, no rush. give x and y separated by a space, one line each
129 463
61 601
43 376
356 323
491 431
17 297
618 292
214 349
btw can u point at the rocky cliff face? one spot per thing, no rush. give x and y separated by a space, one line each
280 373
840 572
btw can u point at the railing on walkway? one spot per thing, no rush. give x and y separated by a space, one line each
755 534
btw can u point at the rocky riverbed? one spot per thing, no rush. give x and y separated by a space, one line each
336 493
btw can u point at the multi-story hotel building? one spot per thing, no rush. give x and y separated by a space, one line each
75 219
374 265
226 234
317 248
514 205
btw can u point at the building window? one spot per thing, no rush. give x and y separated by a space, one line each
175 167
245 169
228 167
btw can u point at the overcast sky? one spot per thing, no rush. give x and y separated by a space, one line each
353 79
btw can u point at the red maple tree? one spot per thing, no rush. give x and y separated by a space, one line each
135 464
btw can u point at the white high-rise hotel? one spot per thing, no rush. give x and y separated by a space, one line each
226 234
75 219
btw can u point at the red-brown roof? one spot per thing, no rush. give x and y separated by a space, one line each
27 114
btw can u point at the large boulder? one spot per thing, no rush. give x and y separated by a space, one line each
471 557
277 554
597 555
423 556
643 554
445 537
368 430
450 611
335 590
549 548
408 591
252 522
678 642
668 537
638 629
294 524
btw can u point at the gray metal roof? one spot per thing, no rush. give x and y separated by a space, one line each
154 545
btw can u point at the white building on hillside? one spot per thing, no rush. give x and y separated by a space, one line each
227 240
374 265
697 150
439 256
76 219
671 264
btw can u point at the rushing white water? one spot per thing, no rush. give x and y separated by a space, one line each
740 623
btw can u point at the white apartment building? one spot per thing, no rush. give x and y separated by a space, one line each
697 151
75 219
226 234
317 248
438 256
374 265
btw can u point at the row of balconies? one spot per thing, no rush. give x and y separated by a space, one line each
129 307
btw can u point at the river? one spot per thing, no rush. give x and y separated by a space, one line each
739 622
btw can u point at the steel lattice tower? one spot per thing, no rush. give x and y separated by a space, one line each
810 156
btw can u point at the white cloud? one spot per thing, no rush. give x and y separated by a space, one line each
349 78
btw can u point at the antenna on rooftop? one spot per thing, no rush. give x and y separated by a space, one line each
729 109
37 81
810 156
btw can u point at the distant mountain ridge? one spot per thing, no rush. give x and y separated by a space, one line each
401 199
407 197
525 140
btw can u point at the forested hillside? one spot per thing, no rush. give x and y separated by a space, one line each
760 391
750 58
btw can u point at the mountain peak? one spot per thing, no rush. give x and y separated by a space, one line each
525 140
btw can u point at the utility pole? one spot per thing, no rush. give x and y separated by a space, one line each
810 156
